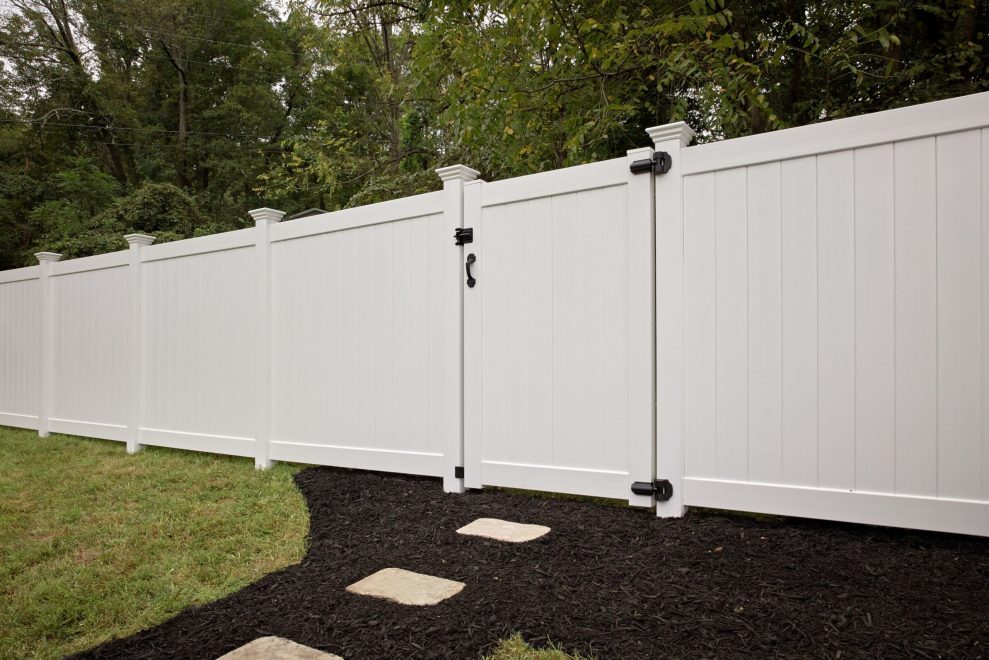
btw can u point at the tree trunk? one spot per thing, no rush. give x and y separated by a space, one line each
175 57
183 174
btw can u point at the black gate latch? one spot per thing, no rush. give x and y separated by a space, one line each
659 164
464 235
661 489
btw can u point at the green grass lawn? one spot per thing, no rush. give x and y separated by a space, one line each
96 544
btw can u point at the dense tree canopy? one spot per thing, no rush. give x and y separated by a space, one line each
174 117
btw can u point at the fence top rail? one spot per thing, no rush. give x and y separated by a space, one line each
394 210
228 240
95 262
601 174
19 274
911 122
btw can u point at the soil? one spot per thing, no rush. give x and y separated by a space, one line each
607 582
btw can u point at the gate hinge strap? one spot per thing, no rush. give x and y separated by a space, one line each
661 489
659 164
458 472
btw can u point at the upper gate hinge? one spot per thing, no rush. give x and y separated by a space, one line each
661 489
464 235
659 164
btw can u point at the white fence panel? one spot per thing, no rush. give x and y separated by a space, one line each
558 331
359 299
91 327
835 314
199 342
793 323
20 347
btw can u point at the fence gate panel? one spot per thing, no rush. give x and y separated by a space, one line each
558 309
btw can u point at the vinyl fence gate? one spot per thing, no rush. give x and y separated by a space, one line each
791 323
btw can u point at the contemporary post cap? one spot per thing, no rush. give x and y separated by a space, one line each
47 256
676 131
139 239
266 215
457 173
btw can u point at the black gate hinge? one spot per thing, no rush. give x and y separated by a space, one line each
464 235
661 489
458 472
659 164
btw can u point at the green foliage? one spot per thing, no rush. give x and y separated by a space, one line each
156 208
335 103
159 209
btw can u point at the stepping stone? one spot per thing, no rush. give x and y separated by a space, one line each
406 587
503 530
277 648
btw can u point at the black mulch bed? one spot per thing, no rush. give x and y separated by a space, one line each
608 582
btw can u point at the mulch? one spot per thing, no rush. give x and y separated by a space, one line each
608 582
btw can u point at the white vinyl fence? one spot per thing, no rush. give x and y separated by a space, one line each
788 323
825 313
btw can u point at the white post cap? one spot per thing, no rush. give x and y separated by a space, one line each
457 173
139 239
266 215
676 131
47 256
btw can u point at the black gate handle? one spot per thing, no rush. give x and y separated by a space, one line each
470 279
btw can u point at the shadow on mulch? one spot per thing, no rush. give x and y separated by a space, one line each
607 582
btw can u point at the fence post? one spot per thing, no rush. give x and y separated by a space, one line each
136 242
670 138
45 261
263 219
454 177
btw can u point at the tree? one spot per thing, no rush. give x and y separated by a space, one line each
333 103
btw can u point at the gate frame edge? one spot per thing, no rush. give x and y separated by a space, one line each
454 177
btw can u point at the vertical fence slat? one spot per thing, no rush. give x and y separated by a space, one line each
875 381
984 177
765 269
731 321
915 238
798 189
700 401
836 309
959 191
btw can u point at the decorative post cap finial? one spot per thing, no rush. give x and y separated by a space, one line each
266 215
676 130
138 239
42 257
457 173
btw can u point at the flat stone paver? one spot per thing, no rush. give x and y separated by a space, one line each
277 648
503 530
406 587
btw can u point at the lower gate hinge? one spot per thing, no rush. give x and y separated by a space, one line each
661 489
458 472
